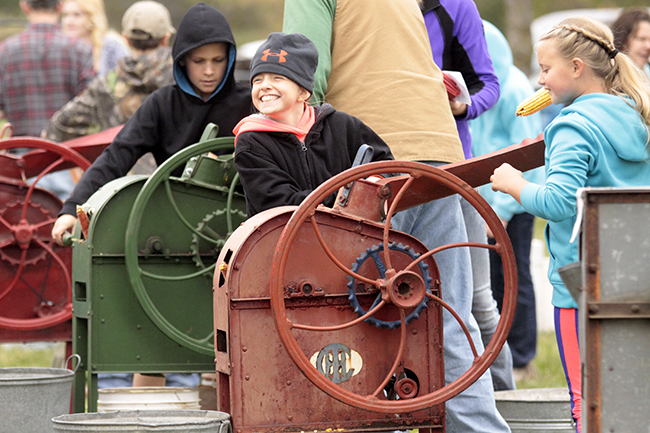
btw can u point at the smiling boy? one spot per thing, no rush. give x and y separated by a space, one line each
174 116
290 148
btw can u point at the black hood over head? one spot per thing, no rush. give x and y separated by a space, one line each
202 24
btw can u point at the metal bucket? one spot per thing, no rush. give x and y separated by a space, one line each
31 396
536 410
148 398
187 421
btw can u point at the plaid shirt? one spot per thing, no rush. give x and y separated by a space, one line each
40 70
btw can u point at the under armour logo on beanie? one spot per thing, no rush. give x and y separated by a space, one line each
281 55
291 55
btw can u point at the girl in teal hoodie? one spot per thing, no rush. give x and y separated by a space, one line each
600 138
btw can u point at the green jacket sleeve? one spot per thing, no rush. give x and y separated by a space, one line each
314 19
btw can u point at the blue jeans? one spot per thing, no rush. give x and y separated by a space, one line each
523 334
484 307
437 223
121 380
59 183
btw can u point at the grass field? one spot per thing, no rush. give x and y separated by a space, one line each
30 355
546 365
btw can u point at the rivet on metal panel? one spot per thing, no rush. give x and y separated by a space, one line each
101 296
288 383
244 349
138 327
247 377
289 417
593 268
635 308
593 308
103 321
415 332
137 357
385 191
593 406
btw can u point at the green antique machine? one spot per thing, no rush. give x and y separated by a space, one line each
143 264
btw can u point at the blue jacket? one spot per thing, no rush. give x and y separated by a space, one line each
599 140
456 35
498 127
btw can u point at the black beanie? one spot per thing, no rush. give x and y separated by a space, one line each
291 55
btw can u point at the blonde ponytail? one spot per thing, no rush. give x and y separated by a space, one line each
593 42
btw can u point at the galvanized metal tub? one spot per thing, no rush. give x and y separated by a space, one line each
536 410
188 421
31 396
148 398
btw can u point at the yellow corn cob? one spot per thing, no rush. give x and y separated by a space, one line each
535 102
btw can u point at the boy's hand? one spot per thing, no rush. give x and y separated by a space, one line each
63 224
509 180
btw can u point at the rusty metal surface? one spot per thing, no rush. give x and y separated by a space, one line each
614 310
266 389
623 310
319 251
434 178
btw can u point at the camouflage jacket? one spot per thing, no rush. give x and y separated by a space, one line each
112 99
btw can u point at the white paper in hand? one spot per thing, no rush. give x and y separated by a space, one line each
464 93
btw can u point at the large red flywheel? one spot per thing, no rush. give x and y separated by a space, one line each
35 280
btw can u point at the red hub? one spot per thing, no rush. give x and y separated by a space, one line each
406 290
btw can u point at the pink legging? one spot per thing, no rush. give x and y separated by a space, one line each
566 333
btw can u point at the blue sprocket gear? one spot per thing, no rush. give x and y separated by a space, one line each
373 253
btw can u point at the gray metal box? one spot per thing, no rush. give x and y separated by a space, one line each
615 310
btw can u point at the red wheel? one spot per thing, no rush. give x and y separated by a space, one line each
28 299
401 287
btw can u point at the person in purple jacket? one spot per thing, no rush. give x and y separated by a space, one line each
458 44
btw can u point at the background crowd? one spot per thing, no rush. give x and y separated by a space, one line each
68 75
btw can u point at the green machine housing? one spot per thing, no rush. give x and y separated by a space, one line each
142 274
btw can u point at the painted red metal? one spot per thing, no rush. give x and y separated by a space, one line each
35 280
44 153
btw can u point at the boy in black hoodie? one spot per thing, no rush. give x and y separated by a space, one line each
174 116
290 148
